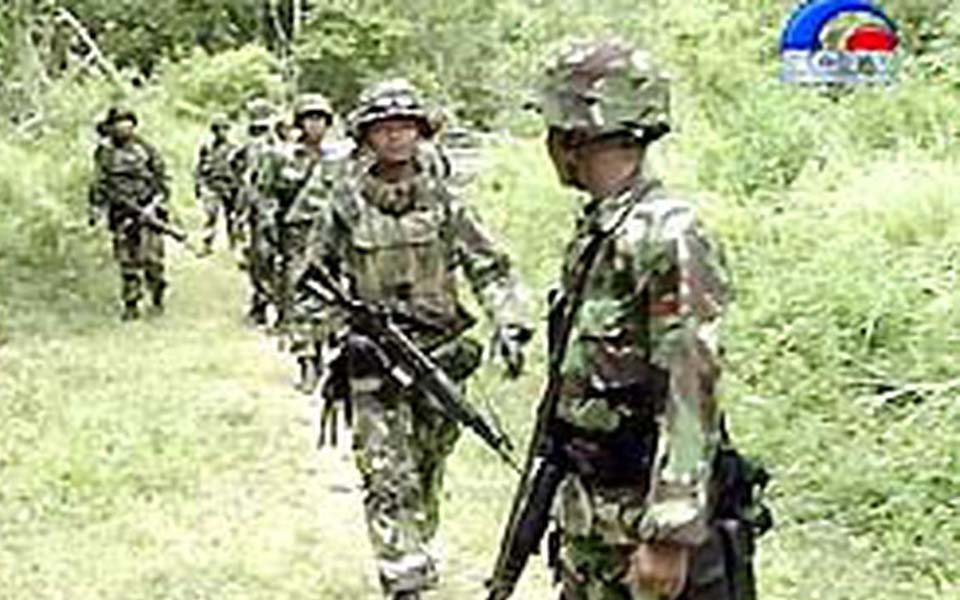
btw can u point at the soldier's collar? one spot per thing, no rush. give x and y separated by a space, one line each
603 214
395 197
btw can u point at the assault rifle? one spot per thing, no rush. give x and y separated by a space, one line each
157 224
404 361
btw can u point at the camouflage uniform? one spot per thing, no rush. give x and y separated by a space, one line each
298 179
401 243
216 182
638 393
254 213
131 172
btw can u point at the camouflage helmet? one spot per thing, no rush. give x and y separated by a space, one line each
261 113
394 98
312 103
606 87
114 115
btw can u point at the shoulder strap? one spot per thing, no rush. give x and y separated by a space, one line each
565 312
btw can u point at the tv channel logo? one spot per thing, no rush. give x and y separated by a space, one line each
839 42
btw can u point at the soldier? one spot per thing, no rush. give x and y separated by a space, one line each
252 215
298 180
634 430
396 232
216 182
130 187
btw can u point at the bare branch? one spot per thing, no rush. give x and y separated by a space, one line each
96 55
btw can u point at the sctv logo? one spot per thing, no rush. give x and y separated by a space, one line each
839 42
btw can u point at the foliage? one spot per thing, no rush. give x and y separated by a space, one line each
341 51
144 34
223 81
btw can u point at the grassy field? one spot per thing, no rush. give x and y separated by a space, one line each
171 459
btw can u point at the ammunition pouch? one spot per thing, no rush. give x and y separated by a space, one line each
619 459
738 489
337 384
120 217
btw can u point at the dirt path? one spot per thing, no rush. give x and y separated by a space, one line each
171 458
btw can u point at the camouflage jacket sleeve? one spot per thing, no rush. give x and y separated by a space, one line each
487 268
97 195
688 291
202 169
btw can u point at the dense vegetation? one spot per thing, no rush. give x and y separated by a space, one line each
837 210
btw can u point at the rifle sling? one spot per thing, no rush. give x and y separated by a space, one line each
573 298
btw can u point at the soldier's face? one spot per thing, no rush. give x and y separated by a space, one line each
123 130
314 126
562 151
394 141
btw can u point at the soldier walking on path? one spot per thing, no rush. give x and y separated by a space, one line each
253 216
400 236
298 179
651 502
216 183
130 189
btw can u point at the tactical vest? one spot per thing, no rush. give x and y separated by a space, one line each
127 172
400 252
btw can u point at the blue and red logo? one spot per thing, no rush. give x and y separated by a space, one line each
839 41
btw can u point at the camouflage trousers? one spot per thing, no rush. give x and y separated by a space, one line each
139 252
261 255
595 549
400 449
213 202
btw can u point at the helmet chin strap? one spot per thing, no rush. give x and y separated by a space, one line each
609 170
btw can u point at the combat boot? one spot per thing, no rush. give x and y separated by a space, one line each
157 298
130 311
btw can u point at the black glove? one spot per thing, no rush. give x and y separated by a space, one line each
508 344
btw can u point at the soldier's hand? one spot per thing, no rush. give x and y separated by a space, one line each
660 568
509 343
93 217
